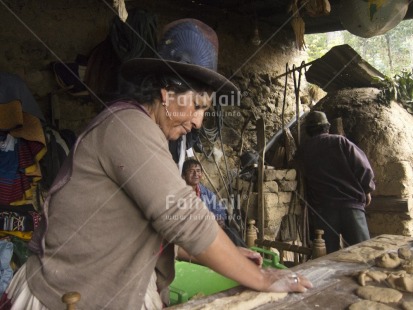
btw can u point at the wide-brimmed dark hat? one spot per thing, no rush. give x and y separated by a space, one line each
188 48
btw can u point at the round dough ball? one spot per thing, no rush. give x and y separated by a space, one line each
407 305
368 305
388 260
404 253
379 294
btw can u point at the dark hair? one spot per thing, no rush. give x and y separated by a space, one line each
188 163
317 129
146 89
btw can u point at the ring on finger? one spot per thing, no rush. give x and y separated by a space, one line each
294 278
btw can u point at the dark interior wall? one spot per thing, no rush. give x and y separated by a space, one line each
36 33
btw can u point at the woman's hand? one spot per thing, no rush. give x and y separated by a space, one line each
285 281
251 255
225 258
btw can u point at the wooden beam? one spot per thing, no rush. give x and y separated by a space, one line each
389 204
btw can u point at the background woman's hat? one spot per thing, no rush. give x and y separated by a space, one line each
188 48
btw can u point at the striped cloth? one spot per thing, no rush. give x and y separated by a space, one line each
16 171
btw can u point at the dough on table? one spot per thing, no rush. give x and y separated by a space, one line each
407 265
245 300
361 254
379 294
392 239
404 252
401 282
407 305
388 260
371 275
369 250
368 305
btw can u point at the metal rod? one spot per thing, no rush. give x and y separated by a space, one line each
294 69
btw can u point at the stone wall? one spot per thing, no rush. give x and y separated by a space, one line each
278 187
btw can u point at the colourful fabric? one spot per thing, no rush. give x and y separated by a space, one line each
9 164
14 221
11 184
29 155
22 218
11 115
19 166
129 185
24 235
5 302
19 171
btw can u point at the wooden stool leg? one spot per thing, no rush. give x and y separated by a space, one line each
319 245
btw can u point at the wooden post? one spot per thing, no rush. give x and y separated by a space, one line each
319 245
70 299
251 233
260 180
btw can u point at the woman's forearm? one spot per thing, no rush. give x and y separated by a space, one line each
224 257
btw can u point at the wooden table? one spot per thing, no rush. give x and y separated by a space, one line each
334 285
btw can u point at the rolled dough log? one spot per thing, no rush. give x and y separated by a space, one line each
369 250
359 255
379 294
368 305
246 300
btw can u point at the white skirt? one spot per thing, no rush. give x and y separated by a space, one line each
21 297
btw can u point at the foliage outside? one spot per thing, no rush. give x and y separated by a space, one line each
390 53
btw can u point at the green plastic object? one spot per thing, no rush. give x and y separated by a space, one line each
193 279
270 258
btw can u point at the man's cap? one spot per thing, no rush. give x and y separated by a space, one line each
188 48
316 118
